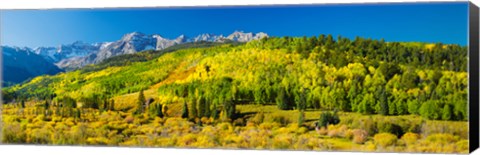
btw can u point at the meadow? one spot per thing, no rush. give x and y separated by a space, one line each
294 93
263 128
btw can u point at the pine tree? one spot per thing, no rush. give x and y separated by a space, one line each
164 109
281 100
193 107
207 109
140 102
383 101
111 105
159 109
352 95
231 111
152 110
447 112
185 110
215 112
201 106
46 105
22 104
301 118
106 104
78 114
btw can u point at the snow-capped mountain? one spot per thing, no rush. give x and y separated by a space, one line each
209 38
240 36
79 54
76 49
137 41
162 43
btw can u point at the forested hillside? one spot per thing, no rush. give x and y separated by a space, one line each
242 83
361 75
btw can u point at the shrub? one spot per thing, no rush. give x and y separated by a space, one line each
410 138
39 136
322 131
333 133
239 122
280 119
442 138
129 119
224 127
268 125
349 134
282 142
336 131
389 127
205 120
327 118
462 146
385 139
258 118
12 133
359 136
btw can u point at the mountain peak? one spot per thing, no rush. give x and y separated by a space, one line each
133 35
70 54
182 36
237 32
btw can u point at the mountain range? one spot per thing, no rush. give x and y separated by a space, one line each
23 63
20 64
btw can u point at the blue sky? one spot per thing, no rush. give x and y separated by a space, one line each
423 22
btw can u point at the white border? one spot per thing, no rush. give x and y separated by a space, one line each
74 150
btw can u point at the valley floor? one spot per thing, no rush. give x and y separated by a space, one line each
258 127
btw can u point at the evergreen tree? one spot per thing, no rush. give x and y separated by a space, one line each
193 107
327 118
112 105
159 109
185 110
230 109
46 105
447 112
78 114
301 100
413 106
140 103
301 118
282 101
215 111
152 110
207 109
164 109
383 101
352 95
22 104
201 106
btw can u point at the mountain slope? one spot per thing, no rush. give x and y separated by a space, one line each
20 64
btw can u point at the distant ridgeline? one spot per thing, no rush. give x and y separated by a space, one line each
21 64
361 75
